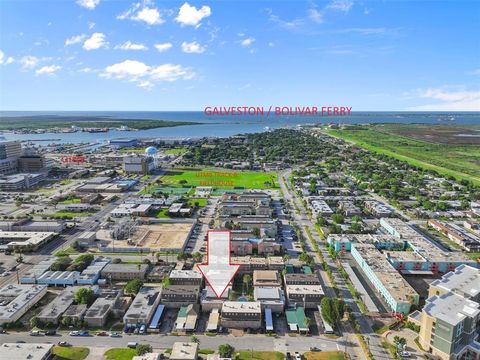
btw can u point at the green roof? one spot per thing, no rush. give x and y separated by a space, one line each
182 312
307 270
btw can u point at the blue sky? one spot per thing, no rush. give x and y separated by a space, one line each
169 55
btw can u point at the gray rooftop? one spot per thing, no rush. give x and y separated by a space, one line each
465 281
451 308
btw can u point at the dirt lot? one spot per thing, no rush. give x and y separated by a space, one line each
163 237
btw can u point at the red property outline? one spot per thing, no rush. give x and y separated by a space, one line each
229 260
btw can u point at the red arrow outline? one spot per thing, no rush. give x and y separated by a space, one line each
229 261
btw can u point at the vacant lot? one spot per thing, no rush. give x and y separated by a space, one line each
192 177
460 161
162 237
324 355
437 134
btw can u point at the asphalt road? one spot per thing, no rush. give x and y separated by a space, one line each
246 342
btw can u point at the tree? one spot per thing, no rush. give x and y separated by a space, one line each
247 279
338 218
117 261
35 322
400 342
226 351
19 259
332 310
133 287
166 281
143 349
84 296
194 339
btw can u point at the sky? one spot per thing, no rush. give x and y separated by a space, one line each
152 55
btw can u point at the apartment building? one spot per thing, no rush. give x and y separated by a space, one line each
241 315
107 301
186 277
16 300
306 296
267 278
143 306
176 296
124 272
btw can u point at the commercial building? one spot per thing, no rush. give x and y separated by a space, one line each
396 291
184 351
92 273
30 351
296 320
301 279
143 306
270 297
175 296
59 278
460 236
24 241
131 210
124 272
266 246
52 312
138 164
75 312
16 300
241 315
27 225
10 151
123 143
32 163
21 181
97 314
31 276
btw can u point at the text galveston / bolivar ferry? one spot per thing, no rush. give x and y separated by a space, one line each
277 110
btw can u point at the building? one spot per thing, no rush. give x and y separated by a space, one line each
124 272
242 247
378 209
123 143
184 351
270 297
30 351
75 312
307 296
97 314
296 320
92 273
143 306
210 301
27 225
138 164
463 281
349 208
131 210
22 181
319 206
31 276
176 296
52 312
266 278
148 356
450 326
457 234
24 241
241 315
10 151
186 277
16 300
396 291
187 318
301 279
32 163
158 273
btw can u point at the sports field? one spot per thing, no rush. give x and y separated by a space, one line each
220 179
458 160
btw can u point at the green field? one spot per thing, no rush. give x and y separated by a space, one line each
184 179
176 151
70 353
260 355
120 354
459 161
70 215
324 355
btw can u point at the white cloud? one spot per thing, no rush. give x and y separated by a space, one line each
48 70
86 70
361 31
315 15
448 100
96 41
340 5
128 45
146 76
161 47
29 62
271 44
247 42
192 48
2 56
9 60
75 39
88 4
190 15
143 11
91 25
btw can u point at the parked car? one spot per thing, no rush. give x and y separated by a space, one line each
35 333
84 333
132 345
64 343
50 332
114 334
314 348
74 333
288 356
298 356
101 333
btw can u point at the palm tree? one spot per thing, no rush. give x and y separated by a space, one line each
247 279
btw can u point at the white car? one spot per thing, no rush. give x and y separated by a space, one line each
298 356
74 333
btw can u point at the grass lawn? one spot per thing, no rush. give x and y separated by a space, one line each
70 353
130 150
324 355
71 201
474 255
176 151
260 355
201 202
162 214
120 354
460 161
65 252
70 215
218 178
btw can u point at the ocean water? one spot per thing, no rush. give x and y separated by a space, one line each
223 126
